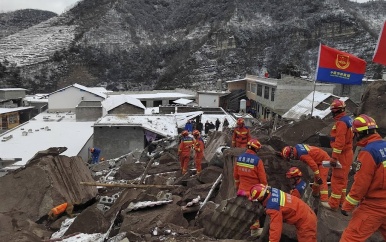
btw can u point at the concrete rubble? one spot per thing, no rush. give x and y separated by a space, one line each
165 205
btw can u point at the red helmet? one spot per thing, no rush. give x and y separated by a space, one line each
185 133
258 192
287 152
293 172
254 144
240 121
196 132
337 105
362 123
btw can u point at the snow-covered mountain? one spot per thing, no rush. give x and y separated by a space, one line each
168 43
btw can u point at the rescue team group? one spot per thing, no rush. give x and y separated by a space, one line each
367 197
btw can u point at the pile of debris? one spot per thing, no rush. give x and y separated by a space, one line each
142 196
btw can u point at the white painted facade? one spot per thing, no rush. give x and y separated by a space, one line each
210 99
67 99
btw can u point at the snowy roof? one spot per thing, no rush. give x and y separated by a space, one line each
81 87
99 89
36 99
183 101
304 107
13 89
47 130
159 124
116 100
10 110
162 95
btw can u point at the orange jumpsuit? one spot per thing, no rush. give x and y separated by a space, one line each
241 136
199 147
248 171
299 189
342 149
59 209
184 152
314 157
283 207
369 191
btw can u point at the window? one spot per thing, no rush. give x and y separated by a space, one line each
157 103
259 91
248 87
253 88
12 118
266 92
273 94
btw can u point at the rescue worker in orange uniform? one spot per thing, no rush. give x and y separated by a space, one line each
199 147
54 213
368 191
313 156
297 183
249 170
283 207
342 150
184 151
241 135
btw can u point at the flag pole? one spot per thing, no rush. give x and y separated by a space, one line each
316 74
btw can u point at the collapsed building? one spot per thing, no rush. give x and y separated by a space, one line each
143 196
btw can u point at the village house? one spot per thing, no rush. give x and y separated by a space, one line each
268 97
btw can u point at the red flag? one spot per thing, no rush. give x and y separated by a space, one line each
380 50
339 67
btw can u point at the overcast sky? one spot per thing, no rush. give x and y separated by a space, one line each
57 6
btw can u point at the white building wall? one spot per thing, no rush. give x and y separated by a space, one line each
207 100
68 99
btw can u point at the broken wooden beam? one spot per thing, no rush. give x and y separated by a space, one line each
128 185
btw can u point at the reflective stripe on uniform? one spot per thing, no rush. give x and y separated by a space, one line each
245 165
335 195
336 151
344 190
282 198
323 191
352 200
384 163
316 172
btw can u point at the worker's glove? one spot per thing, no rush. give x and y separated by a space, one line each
277 153
333 162
198 145
345 213
318 180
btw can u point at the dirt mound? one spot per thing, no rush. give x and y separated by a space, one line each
304 131
374 104
43 184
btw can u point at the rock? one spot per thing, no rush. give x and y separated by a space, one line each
43 184
210 174
168 167
206 214
300 131
199 190
90 221
25 230
331 225
129 171
166 157
374 104
141 221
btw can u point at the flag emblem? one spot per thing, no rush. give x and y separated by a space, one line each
342 61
